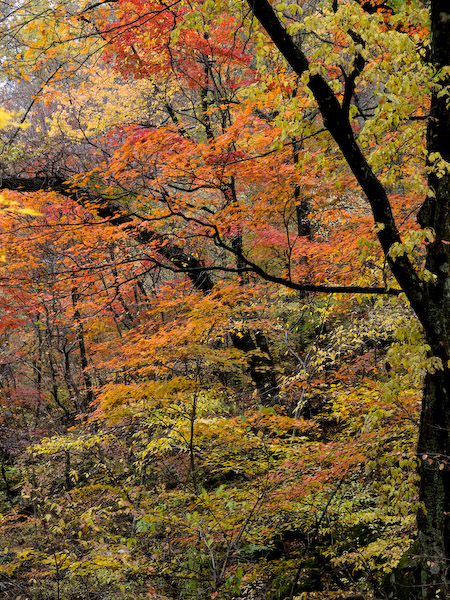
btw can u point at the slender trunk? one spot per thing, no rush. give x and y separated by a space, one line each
55 389
302 207
71 384
67 470
127 319
82 348
38 372
192 465
8 489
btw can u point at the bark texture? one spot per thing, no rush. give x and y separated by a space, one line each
434 440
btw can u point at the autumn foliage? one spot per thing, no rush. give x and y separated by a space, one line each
185 411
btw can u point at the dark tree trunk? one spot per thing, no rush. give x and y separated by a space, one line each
433 521
79 330
260 364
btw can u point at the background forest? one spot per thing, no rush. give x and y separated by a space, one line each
210 381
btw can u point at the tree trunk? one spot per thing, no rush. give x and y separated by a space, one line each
261 367
79 331
433 518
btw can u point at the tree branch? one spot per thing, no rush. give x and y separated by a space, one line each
179 260
113 211
336 121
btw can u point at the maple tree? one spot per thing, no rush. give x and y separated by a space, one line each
196 157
